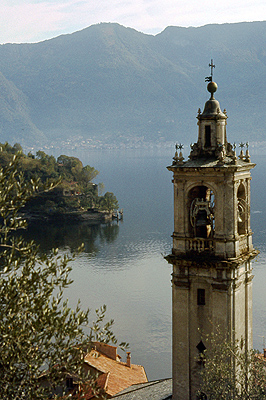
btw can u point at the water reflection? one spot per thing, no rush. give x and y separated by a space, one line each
109 232
67 235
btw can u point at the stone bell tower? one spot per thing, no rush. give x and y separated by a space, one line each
212 246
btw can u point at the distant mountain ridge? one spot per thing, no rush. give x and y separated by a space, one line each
112 85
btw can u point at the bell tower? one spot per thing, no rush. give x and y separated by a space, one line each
212 245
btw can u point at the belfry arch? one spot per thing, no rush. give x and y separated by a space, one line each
241 210
201 212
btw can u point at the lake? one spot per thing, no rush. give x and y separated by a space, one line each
123 263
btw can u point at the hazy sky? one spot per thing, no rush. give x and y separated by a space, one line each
36 20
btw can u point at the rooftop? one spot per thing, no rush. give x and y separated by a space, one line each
155 390
103 358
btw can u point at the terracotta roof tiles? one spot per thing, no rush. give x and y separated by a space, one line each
121 376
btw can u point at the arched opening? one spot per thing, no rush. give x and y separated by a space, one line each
241 210
201 212
207 136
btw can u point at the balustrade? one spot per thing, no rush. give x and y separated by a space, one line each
199 244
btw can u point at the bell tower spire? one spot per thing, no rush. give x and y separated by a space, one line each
212 245
212 141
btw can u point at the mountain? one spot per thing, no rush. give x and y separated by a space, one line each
108 84
15 122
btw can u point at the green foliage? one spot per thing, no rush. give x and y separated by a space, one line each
108 202
74 188
69 169
38 330
230 372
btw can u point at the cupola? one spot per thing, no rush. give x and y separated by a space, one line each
212 141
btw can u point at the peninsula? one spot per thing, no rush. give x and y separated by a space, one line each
74 196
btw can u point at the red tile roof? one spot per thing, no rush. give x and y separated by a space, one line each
102 381
121 376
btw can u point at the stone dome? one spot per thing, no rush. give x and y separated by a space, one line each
212 106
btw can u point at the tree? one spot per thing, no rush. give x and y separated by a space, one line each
72 166
87 175
108 202
75 180
38 330
230 372
17 148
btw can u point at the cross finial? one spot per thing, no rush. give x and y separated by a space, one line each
212 66
209 78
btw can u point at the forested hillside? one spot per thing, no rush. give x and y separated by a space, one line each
108 85
74 190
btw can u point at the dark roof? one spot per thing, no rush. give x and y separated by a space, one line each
155 390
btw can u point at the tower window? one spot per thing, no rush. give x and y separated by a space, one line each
241 210
207 136
201 212
201 297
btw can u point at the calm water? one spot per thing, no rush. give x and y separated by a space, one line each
123 265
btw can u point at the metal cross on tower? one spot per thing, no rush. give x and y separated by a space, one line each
212 66
209 78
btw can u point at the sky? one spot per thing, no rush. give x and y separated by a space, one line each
28 21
